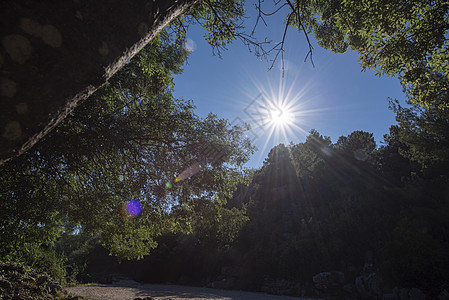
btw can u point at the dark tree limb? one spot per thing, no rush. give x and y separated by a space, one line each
55 54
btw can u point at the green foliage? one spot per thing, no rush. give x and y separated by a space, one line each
42 259
318 206
221 19
216 226
412 256
313 206
129 141
424 133
21 281
406 39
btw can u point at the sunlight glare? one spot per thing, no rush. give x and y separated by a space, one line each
280 116
281 112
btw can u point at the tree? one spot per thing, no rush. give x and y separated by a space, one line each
111 166
359 144
92 43
424 134
394 167
61 52
406 39
416 159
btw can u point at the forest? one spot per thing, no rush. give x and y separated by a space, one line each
135 183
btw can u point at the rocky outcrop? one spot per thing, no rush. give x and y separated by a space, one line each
329 283
368 286
55 54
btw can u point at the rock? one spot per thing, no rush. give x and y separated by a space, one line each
444 295
403 294
328 280
416 294
368 286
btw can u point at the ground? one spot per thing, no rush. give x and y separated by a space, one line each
128 289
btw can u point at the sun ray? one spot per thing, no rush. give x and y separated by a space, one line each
287 108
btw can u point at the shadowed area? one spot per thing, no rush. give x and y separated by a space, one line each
128 289
55 54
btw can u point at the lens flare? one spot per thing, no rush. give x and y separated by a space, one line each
283 107
131 209
168 185
189 45
191 171
360 155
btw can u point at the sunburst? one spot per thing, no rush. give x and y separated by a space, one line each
281 112
280 116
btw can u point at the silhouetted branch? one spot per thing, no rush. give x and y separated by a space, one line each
220 26
300 24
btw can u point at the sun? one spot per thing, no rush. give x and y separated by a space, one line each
280 116
280 110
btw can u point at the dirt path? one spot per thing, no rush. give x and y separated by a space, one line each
128 290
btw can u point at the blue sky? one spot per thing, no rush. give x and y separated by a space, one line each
334 97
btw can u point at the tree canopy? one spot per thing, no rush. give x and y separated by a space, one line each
134 167
406 39
128 143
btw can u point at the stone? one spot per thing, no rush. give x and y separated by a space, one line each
416 294
328 280
404 294
368 286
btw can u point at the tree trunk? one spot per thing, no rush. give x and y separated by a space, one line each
56 53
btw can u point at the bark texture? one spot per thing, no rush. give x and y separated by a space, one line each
56 53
